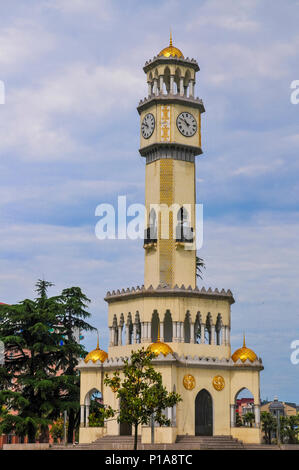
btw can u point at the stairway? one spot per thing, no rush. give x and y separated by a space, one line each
111 443
208 443
182 443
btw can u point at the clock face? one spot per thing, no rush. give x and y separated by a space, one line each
186 124
148 125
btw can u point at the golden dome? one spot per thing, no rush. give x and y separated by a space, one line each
96 354
159 347
244 353
171 51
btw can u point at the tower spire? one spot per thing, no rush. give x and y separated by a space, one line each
170 39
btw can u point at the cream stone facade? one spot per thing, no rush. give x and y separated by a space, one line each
194 324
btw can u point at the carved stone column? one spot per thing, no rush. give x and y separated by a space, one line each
120 336
212 334
191 332
202 333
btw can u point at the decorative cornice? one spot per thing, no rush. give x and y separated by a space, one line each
179 361
169 99
164 290
176 151
157 60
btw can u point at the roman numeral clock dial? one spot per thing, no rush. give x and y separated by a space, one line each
186 124
148 125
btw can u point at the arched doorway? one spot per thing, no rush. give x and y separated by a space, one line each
125 429
203 414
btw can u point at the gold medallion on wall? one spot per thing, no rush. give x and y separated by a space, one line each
189 382
218 383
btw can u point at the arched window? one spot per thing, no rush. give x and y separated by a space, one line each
155 326
150 233
184 233
187 322
244 408
138 328
91 415
168 327
177 77
187 82
130 328
208 330
167 79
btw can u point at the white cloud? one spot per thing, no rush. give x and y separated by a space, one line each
30 122
23 43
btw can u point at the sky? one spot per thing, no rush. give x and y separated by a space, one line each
69 139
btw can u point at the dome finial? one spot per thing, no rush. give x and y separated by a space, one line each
170 39
96 354
244 345
158 339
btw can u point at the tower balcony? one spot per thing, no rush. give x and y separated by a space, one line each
184 234
150 238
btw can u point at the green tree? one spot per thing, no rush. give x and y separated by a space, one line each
269 425
238 419
289 429
199 265
141 392
36 379
57 430
249 418
71 320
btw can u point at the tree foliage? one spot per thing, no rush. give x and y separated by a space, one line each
269 425
141 392
200 264
38 379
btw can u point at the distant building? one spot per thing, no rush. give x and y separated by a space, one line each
244 405
283 408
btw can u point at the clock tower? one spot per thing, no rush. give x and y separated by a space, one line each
187 327
170 139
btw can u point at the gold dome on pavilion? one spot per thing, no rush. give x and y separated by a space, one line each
158 347
244 353
96 355
171 51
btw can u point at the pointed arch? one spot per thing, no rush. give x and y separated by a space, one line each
167 79
137 328
203 413
184 232
167 327
129 329
155 325
187 323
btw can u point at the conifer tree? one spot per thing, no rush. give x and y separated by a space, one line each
38 379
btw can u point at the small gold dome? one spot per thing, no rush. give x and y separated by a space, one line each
96 354
171 51
159 347
244 353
